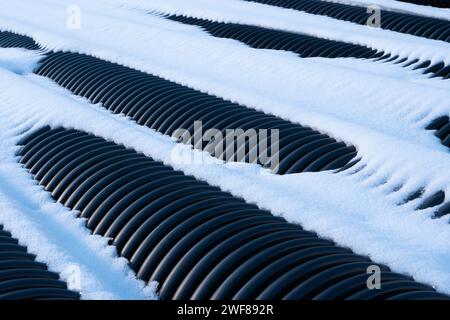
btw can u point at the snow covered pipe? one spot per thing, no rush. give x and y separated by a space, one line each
292 134
431 28
263 38
169 107
442 127
13 40
21 277
197 241
307 46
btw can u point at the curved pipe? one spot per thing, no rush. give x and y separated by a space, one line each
197 241
22 277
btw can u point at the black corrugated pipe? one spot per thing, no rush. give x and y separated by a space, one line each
21 277
431 28
307 46
442 127
197 241
263 38
12 40
258 37
167 107
432 3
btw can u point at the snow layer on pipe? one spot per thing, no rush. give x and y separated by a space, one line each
347 208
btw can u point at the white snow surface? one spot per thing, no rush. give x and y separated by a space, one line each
382 109
18 60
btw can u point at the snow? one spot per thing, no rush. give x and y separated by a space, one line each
380 108
18 60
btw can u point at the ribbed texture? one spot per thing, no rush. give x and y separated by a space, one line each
442 127
166 106
432 3
12 40
21 277
426 27
308 46
197 241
